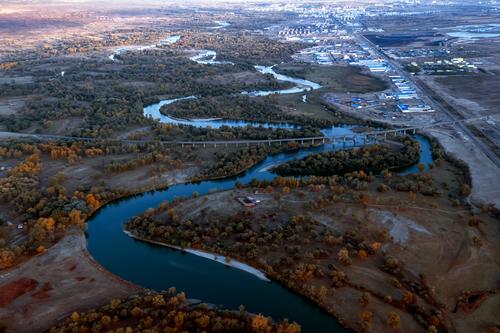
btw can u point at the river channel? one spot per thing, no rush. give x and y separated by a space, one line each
157 267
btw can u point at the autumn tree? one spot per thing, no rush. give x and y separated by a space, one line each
136 312
343 256
289 327
433 329
322 292
7 258
367 316
260 324
408 298
92 201
393 320
364 299
76 217
203 321
75 317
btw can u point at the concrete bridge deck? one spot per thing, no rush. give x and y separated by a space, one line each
364 137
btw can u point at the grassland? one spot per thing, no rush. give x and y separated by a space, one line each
341 79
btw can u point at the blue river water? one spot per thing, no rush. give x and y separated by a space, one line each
159 268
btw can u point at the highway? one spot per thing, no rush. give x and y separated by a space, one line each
430 100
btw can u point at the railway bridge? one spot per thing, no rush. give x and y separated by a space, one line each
359 138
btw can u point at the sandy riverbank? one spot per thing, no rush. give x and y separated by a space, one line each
210 256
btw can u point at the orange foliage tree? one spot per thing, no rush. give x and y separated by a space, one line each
260 324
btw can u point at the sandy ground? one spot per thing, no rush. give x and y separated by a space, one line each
484 173
211 256
52 285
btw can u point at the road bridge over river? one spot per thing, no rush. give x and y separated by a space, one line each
356 138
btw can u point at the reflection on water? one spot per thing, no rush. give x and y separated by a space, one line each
159 267
302 85
167 41
208 58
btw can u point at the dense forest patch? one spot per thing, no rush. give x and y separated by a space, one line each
370 159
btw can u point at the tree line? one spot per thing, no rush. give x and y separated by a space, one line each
233 163
168 132
168 311
371 159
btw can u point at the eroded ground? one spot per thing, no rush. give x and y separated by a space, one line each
52 285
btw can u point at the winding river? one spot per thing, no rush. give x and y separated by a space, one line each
207 57
153 110
301 84
158 267
166 41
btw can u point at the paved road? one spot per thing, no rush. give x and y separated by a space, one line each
458 123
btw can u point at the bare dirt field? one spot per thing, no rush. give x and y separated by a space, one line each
92 171
11 105
484 173
50 286
472 95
